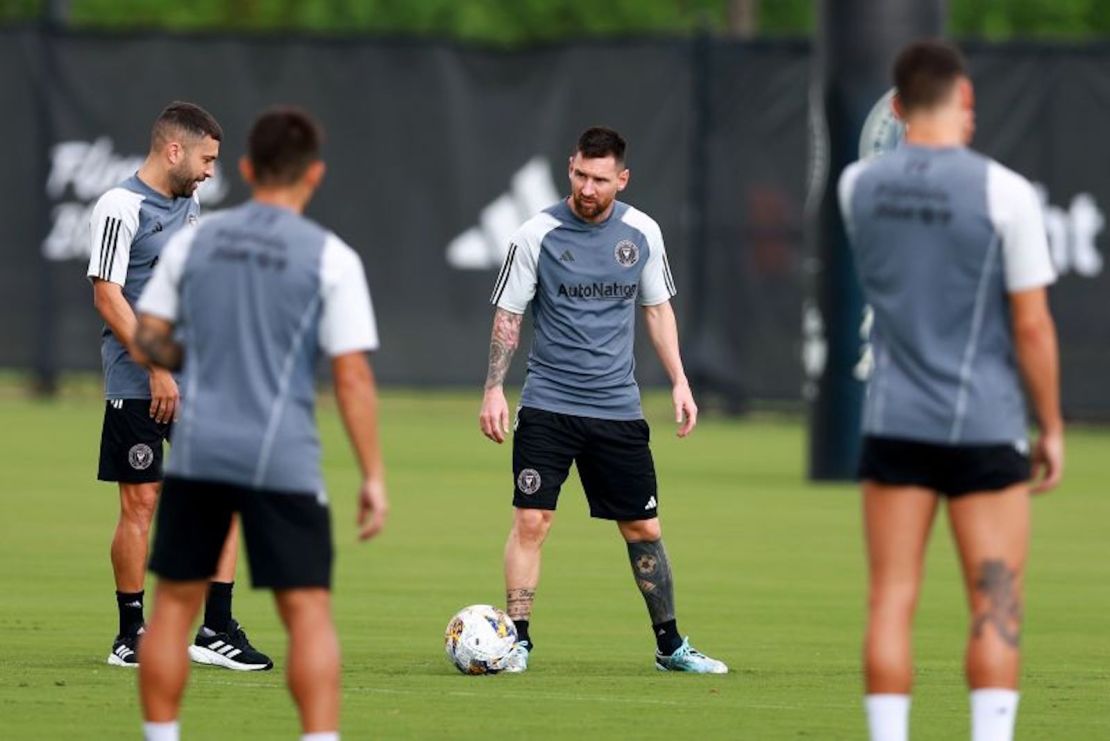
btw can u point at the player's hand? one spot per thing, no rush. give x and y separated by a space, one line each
494 417
1048 461
685 410
164 396
373 507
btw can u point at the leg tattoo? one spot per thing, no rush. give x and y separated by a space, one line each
1003 610
519 603
652 571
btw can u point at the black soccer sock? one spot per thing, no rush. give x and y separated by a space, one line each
217 608
130 606
667 638
522 633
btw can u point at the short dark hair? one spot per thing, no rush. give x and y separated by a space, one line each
188 118
283 142
925 71
598 141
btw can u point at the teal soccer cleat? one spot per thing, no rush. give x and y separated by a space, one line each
688 659
517 660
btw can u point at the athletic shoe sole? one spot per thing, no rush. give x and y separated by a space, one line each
114 660
662 668
202 655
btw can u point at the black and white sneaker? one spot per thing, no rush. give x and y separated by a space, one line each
231 650
125 650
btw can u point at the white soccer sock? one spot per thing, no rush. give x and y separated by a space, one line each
888 717
168 731
993 712
321 736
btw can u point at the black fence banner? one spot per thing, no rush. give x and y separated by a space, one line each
437 151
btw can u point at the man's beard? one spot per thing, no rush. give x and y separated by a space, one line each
182 185
589 210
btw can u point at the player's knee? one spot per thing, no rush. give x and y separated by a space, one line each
641 531
137 504
530 526
892 601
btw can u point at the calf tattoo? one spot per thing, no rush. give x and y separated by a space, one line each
1003 611
652 572
519 603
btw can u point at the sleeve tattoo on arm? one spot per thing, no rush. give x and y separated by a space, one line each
502 345
159 347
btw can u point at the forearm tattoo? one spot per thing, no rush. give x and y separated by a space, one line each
502 345
519 603
1003 610
652 571
159 347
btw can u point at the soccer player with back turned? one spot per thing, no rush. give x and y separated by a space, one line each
255 294
951 252
584 264
131 223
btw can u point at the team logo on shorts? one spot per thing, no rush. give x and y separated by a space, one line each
140 457
528 481
191 219
627 253
645 564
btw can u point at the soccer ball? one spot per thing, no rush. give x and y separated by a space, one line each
478 639
882 131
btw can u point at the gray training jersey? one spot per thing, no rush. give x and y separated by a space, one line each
256 292
131 224
941 237
584 281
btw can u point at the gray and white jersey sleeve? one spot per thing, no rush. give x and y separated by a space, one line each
347 322
162 295
844 190
115 219
1015 211
516 283
656 282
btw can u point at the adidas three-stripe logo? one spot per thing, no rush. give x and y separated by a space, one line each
108 240
224 649
503 277
123 651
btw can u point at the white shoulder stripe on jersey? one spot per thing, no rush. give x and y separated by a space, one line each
111 225
503 277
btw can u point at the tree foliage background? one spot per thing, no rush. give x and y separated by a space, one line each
514 22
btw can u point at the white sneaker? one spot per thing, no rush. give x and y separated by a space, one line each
517 659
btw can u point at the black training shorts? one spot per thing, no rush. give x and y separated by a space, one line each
613 458
131 442
288 535
952 470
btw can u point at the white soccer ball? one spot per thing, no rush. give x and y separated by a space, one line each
882 130
478 639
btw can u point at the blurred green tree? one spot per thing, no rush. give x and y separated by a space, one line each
514 22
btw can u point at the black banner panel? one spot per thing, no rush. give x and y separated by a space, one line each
437 152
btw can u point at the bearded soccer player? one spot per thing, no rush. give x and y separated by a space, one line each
585 264
951 252
130 225
256 294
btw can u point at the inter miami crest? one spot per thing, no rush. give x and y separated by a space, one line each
627 253
140 457
528 481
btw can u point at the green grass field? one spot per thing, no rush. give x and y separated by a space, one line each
768 569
